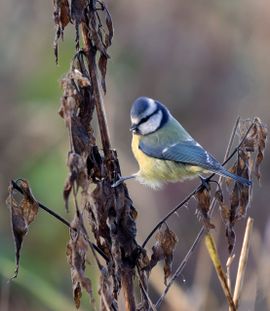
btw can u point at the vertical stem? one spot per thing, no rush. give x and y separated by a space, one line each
92 67
91 52
128 289
242 262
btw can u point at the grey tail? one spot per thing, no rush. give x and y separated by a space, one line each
239 179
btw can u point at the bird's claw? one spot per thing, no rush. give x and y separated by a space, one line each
205 183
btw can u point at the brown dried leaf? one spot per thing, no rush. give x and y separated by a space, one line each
61 20
105 290
79 79
77 172
254 142
109 24
262 136
164 249
103 45
224 208
80 138
233 169
22 214
231 237
72 85
244 201
77 10
78 15
77 248
234 201
203 198
61 13
102 65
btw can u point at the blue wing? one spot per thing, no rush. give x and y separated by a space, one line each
188 152
191 153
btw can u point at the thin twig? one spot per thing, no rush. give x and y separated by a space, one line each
61 219
198 188
180 267
145 291
242 262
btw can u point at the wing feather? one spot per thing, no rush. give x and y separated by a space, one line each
187 152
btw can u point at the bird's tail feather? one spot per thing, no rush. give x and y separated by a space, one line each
239 179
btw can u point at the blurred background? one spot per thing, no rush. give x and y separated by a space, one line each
208 61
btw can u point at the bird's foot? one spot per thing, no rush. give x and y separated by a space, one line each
121 179
205 183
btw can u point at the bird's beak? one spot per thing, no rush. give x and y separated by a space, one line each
134 128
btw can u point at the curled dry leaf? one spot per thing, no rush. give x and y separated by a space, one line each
61 20
77 15
164 249
105 290
23 212
255 141
224 208
107 41
253 133
78 173
262 136
203 198
77 248
72 98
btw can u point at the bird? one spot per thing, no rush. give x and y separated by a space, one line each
165 151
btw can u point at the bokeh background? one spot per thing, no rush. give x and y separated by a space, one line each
209 61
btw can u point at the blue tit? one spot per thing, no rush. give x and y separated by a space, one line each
164 150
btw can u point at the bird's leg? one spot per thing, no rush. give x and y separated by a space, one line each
205 182
122 179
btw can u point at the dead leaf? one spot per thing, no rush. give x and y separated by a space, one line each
77 173
203 198
77 248
102 65
224 208
23 213
61 20
231 237
262 136
164 249
106 290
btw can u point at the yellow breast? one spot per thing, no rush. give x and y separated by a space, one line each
154 172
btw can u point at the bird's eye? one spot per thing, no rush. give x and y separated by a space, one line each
145 119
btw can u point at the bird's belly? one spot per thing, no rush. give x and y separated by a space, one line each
154 172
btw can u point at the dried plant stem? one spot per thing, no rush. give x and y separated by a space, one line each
90 52
242 262
228 271
128 289
145 291
211 247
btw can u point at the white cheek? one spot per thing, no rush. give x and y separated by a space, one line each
152 124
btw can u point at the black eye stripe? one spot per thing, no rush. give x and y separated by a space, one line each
145 119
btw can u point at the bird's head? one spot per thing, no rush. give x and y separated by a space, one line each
147 116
